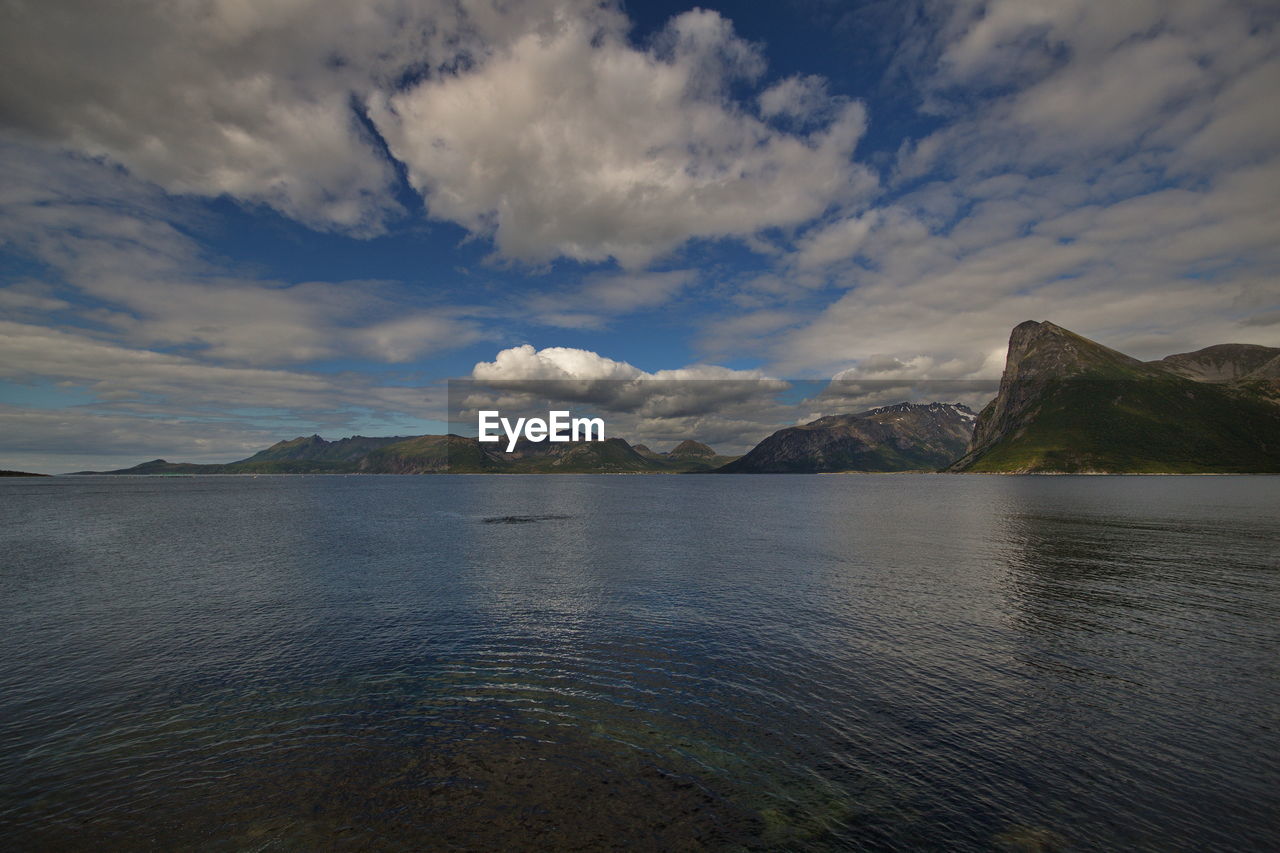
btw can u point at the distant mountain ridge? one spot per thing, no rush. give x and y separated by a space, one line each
439 454
1069 404
316 449
689 447
1066 404
1225 363
901 437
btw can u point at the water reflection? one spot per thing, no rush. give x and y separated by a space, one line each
806 663
1137 619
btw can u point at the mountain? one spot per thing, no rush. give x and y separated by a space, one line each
316 449
427 454
1220 363
688 456
162 467
430 454
455 454
439 454
301 455
1068 404
689 447
691 456
1268 372
613 455
20 474
902 437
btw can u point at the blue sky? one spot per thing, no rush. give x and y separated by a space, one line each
225 223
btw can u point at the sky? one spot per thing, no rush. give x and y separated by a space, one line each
228 222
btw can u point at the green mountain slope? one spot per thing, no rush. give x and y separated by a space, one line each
1068 404
427 454
316 449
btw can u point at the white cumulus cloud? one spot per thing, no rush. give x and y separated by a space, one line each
572 142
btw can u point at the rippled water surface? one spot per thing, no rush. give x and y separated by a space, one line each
808 663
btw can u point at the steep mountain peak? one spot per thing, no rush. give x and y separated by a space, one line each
1069 404
689 447
1041 350
1040 353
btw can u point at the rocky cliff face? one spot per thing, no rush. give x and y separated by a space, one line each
1040 354
1069 404
902 437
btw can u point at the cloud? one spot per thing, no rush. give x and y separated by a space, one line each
1110 167
524 376
524 363
68 440
206 98
941 302
623 293
537 124
408 338
150 284
571 142
799 97
1102 104
603 296
141 380
147 404
1233 127
120 304
30 297
261 102
1080 78
1269 318
731 409
728 333
271 323
839 241
1107 167
1005 41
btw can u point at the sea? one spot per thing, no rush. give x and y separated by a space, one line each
562 662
